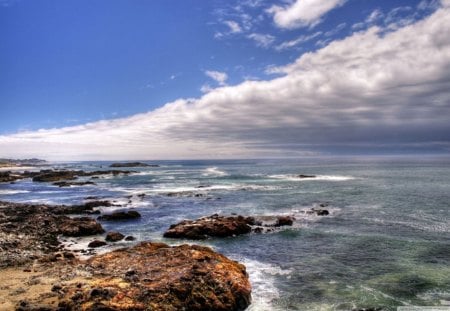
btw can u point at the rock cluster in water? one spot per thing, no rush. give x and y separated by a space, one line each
224 226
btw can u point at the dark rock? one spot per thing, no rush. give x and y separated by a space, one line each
97 243
68 184
120 215
132 164
321 212
284 221
81 226
306 176
130 238
212 226
114 236
53 176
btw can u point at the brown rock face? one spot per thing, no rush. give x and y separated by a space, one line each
212 226
81 226
114 236
155 276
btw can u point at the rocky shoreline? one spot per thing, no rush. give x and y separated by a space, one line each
44 275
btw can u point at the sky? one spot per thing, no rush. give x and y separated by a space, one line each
195 79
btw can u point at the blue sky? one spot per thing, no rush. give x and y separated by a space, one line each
67 66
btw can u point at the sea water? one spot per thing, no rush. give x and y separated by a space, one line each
385 243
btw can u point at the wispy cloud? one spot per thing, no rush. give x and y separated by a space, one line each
293 43
262 40
219 77
234 26
358 92
303 13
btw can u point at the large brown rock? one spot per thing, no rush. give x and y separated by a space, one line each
81 226
212 226
155 276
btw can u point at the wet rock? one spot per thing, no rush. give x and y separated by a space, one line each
321 212
212 226
114 236
81 226
132 164
130 238
54 176
306 176
97 243
155 276
75 183
284 221
120 215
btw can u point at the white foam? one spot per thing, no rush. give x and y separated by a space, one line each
262 277
214 171
10 191
290 177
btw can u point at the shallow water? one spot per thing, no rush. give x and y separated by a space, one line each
385 243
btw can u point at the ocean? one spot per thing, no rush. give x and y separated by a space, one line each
385 243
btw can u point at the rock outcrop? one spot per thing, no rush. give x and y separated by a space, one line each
120 215
212 226
155 276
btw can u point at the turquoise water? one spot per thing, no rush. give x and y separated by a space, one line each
385 244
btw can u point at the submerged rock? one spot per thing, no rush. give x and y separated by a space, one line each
284 221
120 215
155 276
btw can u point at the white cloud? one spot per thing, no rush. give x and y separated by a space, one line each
219 77
262 40
303 13
370 90
292 43
234 26
374 16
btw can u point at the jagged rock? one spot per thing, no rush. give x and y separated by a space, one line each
81 226
212 226
155 276
132 164
97 243
114 236
121 215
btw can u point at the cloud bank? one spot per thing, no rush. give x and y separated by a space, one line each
373 89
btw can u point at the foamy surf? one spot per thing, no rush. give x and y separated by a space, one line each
262 277
214 171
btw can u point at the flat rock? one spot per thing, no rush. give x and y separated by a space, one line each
97 243
120 215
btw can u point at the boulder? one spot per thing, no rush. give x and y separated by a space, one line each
120 215
114 236
73 183
212 226
97 243
81 226
155 276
